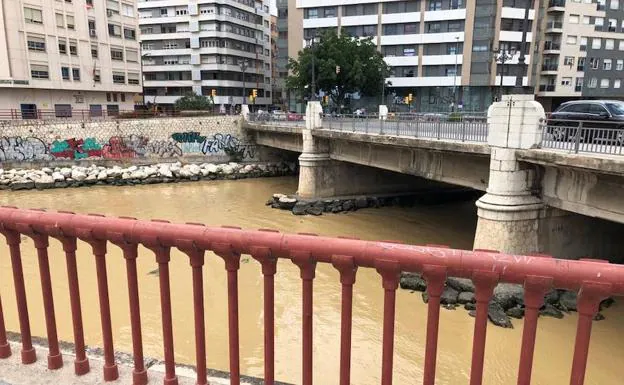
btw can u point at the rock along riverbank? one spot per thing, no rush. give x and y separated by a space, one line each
506 303
78 176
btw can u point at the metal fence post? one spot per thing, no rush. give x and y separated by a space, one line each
381 127
577 140
463 130
438 129
366 124
397 127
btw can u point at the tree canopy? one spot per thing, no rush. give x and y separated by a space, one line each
193 102
362 67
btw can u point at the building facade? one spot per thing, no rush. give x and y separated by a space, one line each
66 57
443 52
582 51
201 47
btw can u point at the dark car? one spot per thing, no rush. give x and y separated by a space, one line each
600 120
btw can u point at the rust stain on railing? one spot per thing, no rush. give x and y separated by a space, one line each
594 280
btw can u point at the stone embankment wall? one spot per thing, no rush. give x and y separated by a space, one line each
192 139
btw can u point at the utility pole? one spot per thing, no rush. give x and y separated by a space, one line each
455 76
522 58
312 49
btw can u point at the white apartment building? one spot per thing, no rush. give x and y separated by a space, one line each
440 51
206 46
63 57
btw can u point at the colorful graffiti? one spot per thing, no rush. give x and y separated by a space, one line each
120 147
22 149
193 142
76 148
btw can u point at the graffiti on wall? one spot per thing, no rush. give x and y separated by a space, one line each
76 148
22 149
193 142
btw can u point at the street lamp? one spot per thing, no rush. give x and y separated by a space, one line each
383 90
243 66
311 43
455 76
502 56
522 59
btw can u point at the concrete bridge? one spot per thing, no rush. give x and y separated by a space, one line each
541 196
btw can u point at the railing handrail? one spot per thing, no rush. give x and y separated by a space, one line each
595 281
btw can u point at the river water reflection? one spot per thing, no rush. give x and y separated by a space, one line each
241 203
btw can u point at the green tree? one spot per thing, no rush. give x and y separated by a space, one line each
362 67
193 102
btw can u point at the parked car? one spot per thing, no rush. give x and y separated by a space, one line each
278 115
599 118
293 117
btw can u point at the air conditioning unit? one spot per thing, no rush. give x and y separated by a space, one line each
92 33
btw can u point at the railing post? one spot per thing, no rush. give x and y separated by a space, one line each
577 138
381 127
484 286
348 270
5 348
463 130
307 268
438 129
269 268
28 353
589 298
436 278
389 271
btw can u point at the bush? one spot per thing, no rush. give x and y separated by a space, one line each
455 117
193 102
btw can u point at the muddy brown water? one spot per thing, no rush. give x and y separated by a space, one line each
242 203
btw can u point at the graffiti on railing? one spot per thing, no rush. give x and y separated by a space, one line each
23 149
122 147
193 142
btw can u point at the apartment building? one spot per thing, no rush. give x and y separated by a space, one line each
440 51
200 46
582 51
66 57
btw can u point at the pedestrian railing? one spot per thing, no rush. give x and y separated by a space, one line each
459 127
69 114
282 120
583 136
594 280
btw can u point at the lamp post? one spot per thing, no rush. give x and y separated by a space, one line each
311 44
502 56
522 58
243 66
383 90
143 55
455 76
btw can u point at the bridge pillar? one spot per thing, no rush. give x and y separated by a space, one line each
315 180
509 212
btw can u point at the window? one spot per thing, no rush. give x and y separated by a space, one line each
566 81
119 78
599 22
116 54
38 71
621 45
70 22
73 48
579 85
129 33
619 65
112 109
122 97
330 12
181 11
609 44
36 44
65 73
580 66
594 63
583 43
615 4
311 13
604 83
606 64
433 27
571 39
34 16
94 51
163 12
435 5
586 20
76 74
133 78
132 56
596 43
593 82
616 83
612 25
114 30
63 110
62 46
568 61
127 10
574 19
96 76
60 21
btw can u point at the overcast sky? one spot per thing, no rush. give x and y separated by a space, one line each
273 8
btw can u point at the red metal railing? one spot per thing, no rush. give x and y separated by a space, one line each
595 280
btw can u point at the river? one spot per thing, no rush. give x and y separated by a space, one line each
241 203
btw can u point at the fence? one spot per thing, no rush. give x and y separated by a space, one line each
96 114
594 279
277 119
460 127
583 136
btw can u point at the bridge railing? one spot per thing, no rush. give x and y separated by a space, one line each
281 119
458 127
600 137
594 280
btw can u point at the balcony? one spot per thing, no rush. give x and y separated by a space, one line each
550 67
546 88
556 6
551 46
554 27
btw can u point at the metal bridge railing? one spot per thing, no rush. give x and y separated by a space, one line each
583 136
280 120
594 280
469 127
